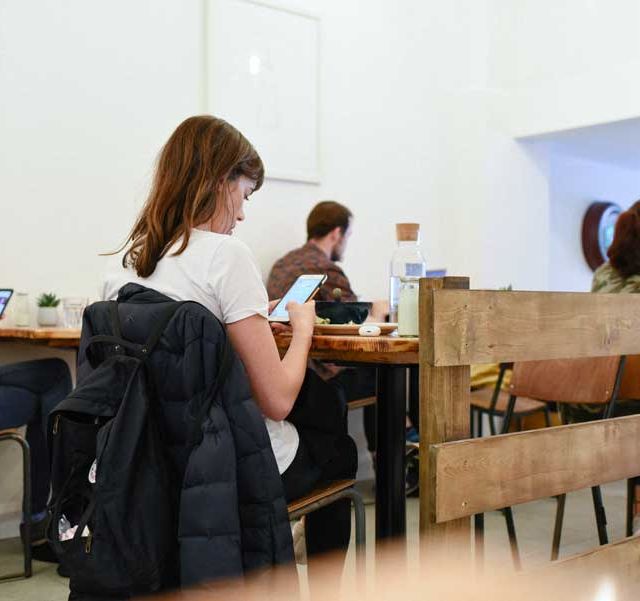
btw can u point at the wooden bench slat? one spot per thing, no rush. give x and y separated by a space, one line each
490 326
616 564
320 493
475 476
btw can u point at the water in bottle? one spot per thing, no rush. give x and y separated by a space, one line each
407 262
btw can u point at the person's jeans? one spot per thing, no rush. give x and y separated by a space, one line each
28 393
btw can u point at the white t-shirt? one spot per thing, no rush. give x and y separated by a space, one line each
219 272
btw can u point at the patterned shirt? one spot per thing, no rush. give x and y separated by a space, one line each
607 279
308 259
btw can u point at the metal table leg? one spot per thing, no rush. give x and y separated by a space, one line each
390 454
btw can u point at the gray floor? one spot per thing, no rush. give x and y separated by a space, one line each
534 523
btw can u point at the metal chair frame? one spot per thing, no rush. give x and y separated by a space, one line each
26 502
359 514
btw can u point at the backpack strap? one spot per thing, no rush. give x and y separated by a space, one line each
142 351
160 325
195 431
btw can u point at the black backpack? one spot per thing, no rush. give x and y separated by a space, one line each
115 494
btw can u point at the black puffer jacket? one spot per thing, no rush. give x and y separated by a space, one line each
232 515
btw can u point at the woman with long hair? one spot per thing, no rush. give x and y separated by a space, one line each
182 246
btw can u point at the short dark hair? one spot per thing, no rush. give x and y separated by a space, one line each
325 217
624 252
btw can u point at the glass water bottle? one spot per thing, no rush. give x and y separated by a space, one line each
407 263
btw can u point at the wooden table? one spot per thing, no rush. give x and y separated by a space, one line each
391 356
52 337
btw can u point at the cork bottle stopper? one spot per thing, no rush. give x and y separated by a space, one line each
407 232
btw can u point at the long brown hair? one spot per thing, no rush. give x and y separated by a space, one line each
624 252
202 153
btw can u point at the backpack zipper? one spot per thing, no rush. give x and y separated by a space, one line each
87 545
55 424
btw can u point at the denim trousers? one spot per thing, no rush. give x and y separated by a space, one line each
29 391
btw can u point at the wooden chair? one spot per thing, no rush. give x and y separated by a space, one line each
494 403
588 381
326 495
15 436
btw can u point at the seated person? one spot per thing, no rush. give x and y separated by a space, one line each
182 246
620 274
28 393
329 227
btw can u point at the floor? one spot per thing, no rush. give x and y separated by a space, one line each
534 523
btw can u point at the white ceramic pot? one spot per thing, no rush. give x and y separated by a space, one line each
47 316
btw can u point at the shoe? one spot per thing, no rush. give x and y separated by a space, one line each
299 542
411 435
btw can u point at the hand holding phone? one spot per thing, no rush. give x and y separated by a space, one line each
303 289
302 317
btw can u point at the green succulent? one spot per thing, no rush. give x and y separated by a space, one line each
509 287
48 300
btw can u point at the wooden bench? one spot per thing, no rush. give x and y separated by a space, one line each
459 327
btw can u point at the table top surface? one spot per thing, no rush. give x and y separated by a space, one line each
356 349
360 349
60 337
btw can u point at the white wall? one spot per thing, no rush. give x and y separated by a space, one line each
88 93
562 64
405 136
574 185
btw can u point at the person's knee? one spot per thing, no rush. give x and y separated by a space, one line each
58 369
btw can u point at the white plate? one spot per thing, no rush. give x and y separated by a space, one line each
346 329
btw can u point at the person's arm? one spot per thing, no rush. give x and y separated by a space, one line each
275 382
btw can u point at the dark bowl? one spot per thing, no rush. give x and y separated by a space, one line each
339 312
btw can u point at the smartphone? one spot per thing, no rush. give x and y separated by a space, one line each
303 289
5 295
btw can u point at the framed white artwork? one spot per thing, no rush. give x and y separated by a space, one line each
262 64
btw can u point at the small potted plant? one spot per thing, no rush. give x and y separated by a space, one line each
48 309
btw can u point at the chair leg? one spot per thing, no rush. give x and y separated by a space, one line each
508 414
26 503
513 540
547 417
557 529
472 422
601 516
478 532
492 423
631 500
481 415
361 531
26 506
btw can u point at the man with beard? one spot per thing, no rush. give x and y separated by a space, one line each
328 231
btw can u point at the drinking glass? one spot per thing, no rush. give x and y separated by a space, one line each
22 312
72 309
